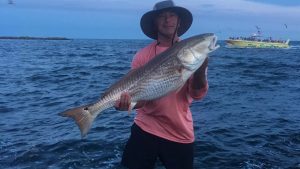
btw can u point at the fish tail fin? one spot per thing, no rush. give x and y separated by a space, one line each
82 117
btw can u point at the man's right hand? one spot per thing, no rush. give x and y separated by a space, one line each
123 104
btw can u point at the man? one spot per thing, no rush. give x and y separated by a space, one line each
163 128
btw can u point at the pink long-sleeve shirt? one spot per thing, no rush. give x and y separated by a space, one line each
168 117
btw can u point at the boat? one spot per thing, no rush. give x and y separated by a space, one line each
256 41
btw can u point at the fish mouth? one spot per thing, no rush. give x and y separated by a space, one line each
213 44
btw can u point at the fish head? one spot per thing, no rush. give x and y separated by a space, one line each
203 44
196 49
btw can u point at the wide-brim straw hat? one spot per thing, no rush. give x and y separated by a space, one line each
147 20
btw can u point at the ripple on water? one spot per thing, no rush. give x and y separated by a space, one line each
249 118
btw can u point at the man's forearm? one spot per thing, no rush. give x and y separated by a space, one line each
199 79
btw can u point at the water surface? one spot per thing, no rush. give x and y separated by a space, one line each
250 118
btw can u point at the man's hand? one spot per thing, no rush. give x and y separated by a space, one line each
124 103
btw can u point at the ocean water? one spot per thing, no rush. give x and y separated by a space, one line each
250 118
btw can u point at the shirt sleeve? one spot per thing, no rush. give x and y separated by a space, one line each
138 60
135 62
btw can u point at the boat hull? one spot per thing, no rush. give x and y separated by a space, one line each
255 44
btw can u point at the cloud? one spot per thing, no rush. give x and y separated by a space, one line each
239 17
260 7
81 4
279 2
226 16
245 7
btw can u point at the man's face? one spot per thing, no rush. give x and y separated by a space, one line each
166 23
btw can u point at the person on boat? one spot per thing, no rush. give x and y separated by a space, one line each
163 128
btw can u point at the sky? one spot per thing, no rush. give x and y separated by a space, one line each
120 19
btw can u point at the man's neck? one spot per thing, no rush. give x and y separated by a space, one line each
166 41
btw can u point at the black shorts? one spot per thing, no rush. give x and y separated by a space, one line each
143 149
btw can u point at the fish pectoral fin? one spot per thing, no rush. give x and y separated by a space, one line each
180 69
131 106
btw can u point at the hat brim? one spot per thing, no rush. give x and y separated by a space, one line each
147 21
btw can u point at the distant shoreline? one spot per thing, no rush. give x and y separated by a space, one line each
33 38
